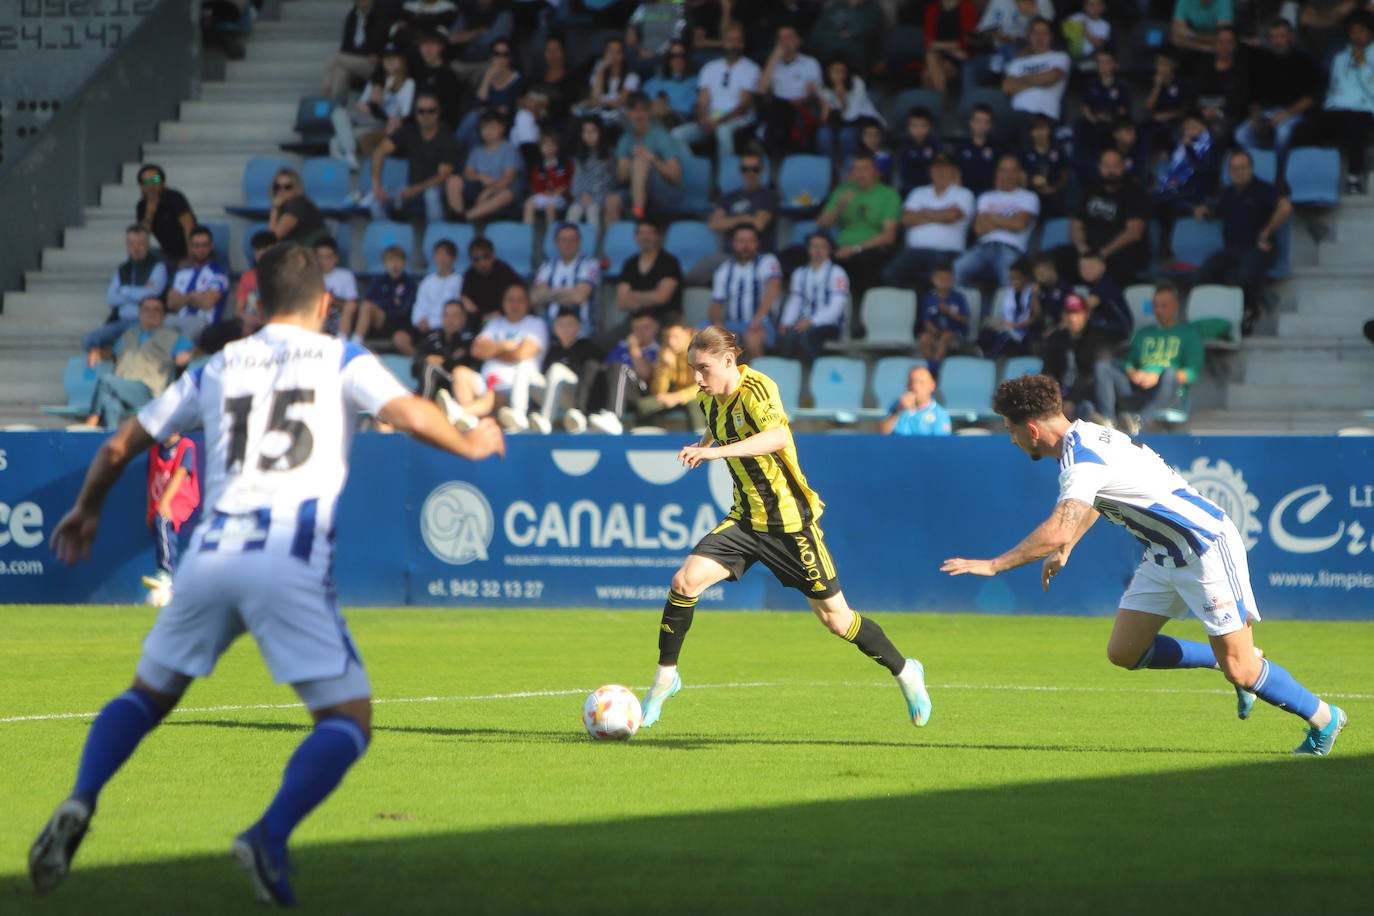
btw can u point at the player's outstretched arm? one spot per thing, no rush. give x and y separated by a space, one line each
1061 530
423 421
73 536
764 443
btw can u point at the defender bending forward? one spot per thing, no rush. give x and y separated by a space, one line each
278 410
1194 555
773 520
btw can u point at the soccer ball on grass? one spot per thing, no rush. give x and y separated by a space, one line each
612 713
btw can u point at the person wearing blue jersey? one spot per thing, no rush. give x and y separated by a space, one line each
1194 556
278 409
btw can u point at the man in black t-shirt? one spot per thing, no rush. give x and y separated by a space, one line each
1284 83
486 281
752 204
1111 221
651 281
165 213
433 155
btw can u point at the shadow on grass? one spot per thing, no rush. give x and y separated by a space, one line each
1285 836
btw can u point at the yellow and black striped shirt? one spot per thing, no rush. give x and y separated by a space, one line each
770 491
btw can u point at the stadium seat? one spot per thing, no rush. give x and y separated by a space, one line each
328 185
1314 176
690 241
902 103
258 173
803 183
514 244
313 125
1194 241
1054 233
618 246
78 381
1018 366
220 233
903 57
889 314
395 173
966 385
587 244
800 230
695 195
1146 38
380 235
249 231
460 234
728 178
1212 300
1283 247
696 306
974 297
400 367
1140 297
787 375
889 381
837 389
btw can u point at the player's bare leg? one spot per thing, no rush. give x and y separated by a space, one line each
842 620
695 576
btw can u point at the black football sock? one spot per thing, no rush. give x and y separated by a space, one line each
873 642
677 620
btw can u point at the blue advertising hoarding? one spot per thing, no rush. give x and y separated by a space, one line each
601 521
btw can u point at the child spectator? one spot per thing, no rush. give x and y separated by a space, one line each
1126 141
173 494
1047 167
593 174
944 317
488 183
1013 314
977 154
1108 311
1187 181
1051 290
530 124
447 371
672 386
248 317
572 361
844 102
550 182
342 286
1087 33
917 150
1105 99
443 285
873 140
386 307
1166 104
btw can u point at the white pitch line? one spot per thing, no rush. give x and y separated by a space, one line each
577 691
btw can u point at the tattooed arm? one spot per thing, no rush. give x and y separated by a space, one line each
1053 538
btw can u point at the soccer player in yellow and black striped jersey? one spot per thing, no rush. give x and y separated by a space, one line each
774 520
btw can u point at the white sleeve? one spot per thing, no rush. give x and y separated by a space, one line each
1082 481
792 306
832 308
750 78
541 277
769 268
965 201
367 384
589 272
176 410
348 285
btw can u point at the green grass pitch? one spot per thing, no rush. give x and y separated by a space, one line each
783 779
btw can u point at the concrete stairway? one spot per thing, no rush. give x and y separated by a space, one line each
247 114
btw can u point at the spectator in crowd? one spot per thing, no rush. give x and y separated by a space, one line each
629 367
1047 167
1051 291
845 104
873 140
418 16
430 153
752 204
1035 81
571 279
550 181
365 31
917 151
916 412
1252 212
648 166
511 346
789 89
978 153
472 41
1013 314
498 91
165 213
385 103
444 284
1169 99
1111 221
1003 221
488 182
936 218
610 86
1072 351
1195 25
144 359
864 214
574 362
486 281
948 25
1135 161
1322 25
199 290
1163 362
745 290
293 216
708 20
651 29
447 371
552 76
725 96
1285 83
1106 98
763 18
1003 28
673 386
1187 180
1224 90
248 316
817 298
944 317
531 122
593 174
651 281
1347 116
851 29
388 302
142 274
342 287
434 76
1108 310
673 90
1086 33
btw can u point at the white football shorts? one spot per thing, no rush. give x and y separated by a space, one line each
1214 587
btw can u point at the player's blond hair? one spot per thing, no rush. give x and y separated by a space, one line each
716 341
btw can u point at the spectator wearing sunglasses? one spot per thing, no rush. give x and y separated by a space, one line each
293 217
472 41
431 154
673 90
165 213
752 204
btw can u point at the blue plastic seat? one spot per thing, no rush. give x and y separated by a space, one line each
889 381
787 375
312 120
618 246
1055 233
1018 366
514 243
837 388
690 241
694 195
395 174
1314 176
399 366
1213 300
803 183
258 174
329 185
1194 241
380 235
220 233
460 234
801 229
78 381
966 386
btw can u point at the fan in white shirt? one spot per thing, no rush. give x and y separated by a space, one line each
1036 80
816 302
936 217
1005 219
725 99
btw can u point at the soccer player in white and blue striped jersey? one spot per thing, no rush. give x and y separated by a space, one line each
1194 556
278 409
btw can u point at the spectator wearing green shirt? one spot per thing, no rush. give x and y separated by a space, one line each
1164 360
864 214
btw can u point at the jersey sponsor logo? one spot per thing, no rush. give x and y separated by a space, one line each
456 523
1225 486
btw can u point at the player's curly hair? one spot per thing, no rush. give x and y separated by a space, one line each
716 341
1029 397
